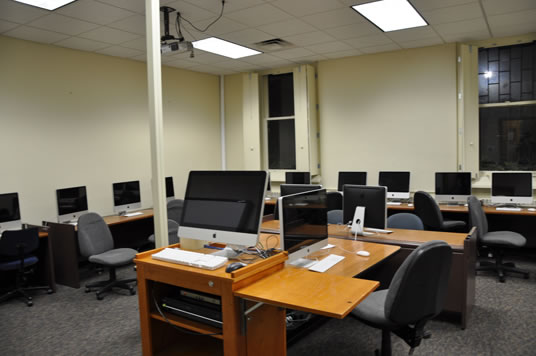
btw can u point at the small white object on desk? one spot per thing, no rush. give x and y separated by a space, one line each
531 209
508 209
133 214
326 263
394 203
410 204
363 253
382 231
327 246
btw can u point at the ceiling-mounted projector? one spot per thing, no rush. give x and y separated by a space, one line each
169 43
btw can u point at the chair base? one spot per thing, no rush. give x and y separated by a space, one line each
500 268
112 282
22 292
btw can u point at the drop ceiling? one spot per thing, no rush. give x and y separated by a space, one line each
316 29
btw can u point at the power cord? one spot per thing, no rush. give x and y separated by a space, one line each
210 24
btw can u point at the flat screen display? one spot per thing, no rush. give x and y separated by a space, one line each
170 191
71 200
394 181
126 193
9 207
454 183
511 184
356 178
288 189
374 199
297 178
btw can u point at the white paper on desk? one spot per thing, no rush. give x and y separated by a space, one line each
327 246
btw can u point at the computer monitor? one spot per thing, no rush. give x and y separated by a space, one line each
452 186
72 202
126 196
170 191
297 178
374 199
304 224
9 212
356 178
511 187
397 184
224 206
288 189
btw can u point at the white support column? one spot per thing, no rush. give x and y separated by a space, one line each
154 82
222 122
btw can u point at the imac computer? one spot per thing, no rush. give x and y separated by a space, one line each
9 212
374 199
224 206
126 196
511 188
287 189
452 187
298 178
170 191
72 202
304 225
355 178
397 184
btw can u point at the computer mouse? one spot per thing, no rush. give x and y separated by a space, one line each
363 253
234 266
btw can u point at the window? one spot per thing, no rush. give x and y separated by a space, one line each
507 114
280 122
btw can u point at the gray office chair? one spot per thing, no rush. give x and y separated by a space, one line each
428 210
96 243
334 201
173 230
407 221
174 210
335 217
416 294
496 241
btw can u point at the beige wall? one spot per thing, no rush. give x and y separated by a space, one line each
71 118
389 111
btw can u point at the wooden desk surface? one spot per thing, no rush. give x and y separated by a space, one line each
116 219
488 209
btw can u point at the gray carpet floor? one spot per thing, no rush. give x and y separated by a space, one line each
71 322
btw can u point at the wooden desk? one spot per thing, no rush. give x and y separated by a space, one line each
126 231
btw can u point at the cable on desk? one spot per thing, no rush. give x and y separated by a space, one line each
175 326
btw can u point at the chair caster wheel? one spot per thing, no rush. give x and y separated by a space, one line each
132 291
29 299
50 291
29 303
501 279
87 290
99 297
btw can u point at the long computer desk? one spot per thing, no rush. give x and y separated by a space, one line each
126 231
253 300
461 290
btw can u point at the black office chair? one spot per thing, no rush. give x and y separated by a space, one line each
96 243
16 248
174 210
405 221
428 210
173 230
334 201
335 217
416 295
496 241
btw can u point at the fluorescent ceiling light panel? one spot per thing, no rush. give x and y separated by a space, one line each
46 4
224 48
391 15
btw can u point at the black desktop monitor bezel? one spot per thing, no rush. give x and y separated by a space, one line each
288 189
351 177
136 199
297 177
79 193
373 198
392 181
516 181
446 186
170 189
13 209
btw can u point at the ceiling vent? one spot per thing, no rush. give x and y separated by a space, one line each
274 44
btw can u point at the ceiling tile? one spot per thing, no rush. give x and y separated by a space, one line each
467 36
204 68
262 59
109 35
425 42
423 5
230 5
138 43
190 12
369 41
6 25
342 54
293 53
132 5
236 65
222 26
328 47
455 28
453 14
81 44
381 48
307 7
141 57
515 18
353 30
34 34
334 18
287 28
93 11
259 15
498 7
118 51
181 63
134 24
513 30
63 24
412 34
247 37
19 13
309 59
310 38
207 58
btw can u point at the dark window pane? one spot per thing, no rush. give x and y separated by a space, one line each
482 61
280 95
494 93
281 144
508 138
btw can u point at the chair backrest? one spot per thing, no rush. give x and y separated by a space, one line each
94 236
405 221
335 216
27 239
174 210
428 210
419 286
334 201
477 217
173 229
